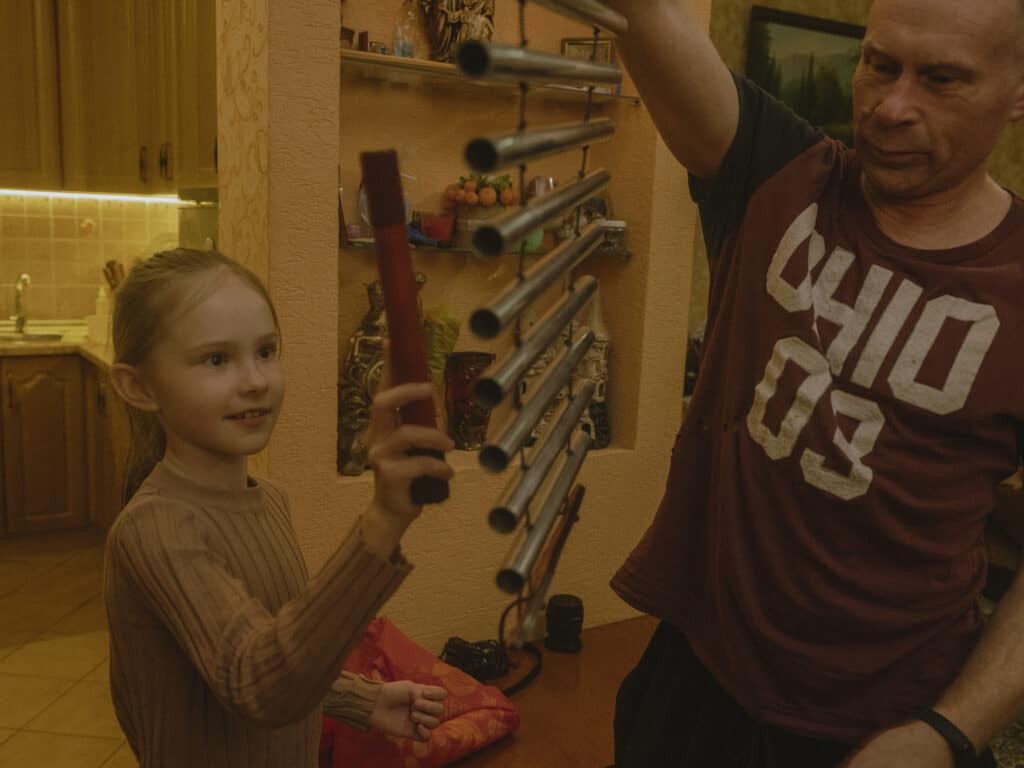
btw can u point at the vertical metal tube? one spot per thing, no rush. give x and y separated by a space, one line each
512 577
499 236
487 322
489 154
505 515
499 380
496 456
489 61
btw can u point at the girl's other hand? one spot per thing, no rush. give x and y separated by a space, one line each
408 710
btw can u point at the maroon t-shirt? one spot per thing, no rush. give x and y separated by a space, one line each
820 537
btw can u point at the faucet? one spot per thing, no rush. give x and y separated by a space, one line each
19 310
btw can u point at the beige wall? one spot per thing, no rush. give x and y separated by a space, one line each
730 20
280 131
63 243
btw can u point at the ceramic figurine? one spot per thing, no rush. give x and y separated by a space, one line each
452 22
360 378
467 420
358 383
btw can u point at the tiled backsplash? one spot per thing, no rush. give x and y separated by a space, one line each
63 243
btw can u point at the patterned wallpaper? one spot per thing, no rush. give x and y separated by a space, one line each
63 243
242 126
730 20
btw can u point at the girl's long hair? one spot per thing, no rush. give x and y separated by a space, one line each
153 291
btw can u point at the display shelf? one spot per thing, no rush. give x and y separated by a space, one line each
467 463
371 246
396 69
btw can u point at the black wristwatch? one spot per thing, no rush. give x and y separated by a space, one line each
964 754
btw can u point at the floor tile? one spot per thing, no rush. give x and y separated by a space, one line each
10 641
101 673
84 710
24 612
123 758
26 749
66 656
22 698
87 618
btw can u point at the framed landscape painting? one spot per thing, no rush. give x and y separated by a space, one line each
808 63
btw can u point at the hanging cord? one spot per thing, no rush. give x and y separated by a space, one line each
530 648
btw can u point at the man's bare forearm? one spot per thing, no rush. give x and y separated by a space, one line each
989 692
683 81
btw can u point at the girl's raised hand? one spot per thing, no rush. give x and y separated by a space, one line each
394 470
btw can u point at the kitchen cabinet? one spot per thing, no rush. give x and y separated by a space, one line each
138 87
194 155
114 110
106 446
30 154
43 443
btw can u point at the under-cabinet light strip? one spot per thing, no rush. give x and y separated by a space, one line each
90 196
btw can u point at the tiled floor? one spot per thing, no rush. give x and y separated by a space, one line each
55 708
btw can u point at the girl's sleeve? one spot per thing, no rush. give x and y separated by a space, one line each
352 699
272 669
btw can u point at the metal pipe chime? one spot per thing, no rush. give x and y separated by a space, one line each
525 571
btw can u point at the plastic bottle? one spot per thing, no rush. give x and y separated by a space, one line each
102 304
405 30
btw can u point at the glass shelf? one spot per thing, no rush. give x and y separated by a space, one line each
396 69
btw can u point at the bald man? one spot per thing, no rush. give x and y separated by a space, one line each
818 555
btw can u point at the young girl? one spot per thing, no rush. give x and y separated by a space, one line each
222 647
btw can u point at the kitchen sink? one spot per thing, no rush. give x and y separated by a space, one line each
6 338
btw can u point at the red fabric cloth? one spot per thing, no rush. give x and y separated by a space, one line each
475 715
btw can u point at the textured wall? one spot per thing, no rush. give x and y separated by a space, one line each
281 72
64 242
243 60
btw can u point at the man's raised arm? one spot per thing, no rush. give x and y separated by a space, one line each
683 81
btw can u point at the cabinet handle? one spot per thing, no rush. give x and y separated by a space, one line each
165 162
11 402
143 165
215 155
101 400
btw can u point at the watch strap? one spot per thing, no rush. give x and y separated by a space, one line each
964 754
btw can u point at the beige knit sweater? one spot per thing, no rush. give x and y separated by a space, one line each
222 649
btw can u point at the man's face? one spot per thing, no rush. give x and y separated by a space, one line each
937 82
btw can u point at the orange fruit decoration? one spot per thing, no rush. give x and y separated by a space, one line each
488 196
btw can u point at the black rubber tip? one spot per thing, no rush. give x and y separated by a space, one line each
488 241
493 458
502 520
509 581
481 156
487 393
484 324
473 58
427 489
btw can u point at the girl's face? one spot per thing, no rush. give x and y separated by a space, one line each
215 373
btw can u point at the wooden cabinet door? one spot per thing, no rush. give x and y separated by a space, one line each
29 116
195 156
107 435
106 96
44 445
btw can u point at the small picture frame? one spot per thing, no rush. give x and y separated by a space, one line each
583 48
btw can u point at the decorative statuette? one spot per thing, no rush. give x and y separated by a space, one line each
452 22
358 384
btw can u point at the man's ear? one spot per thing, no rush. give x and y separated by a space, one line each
1017 108
130 384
